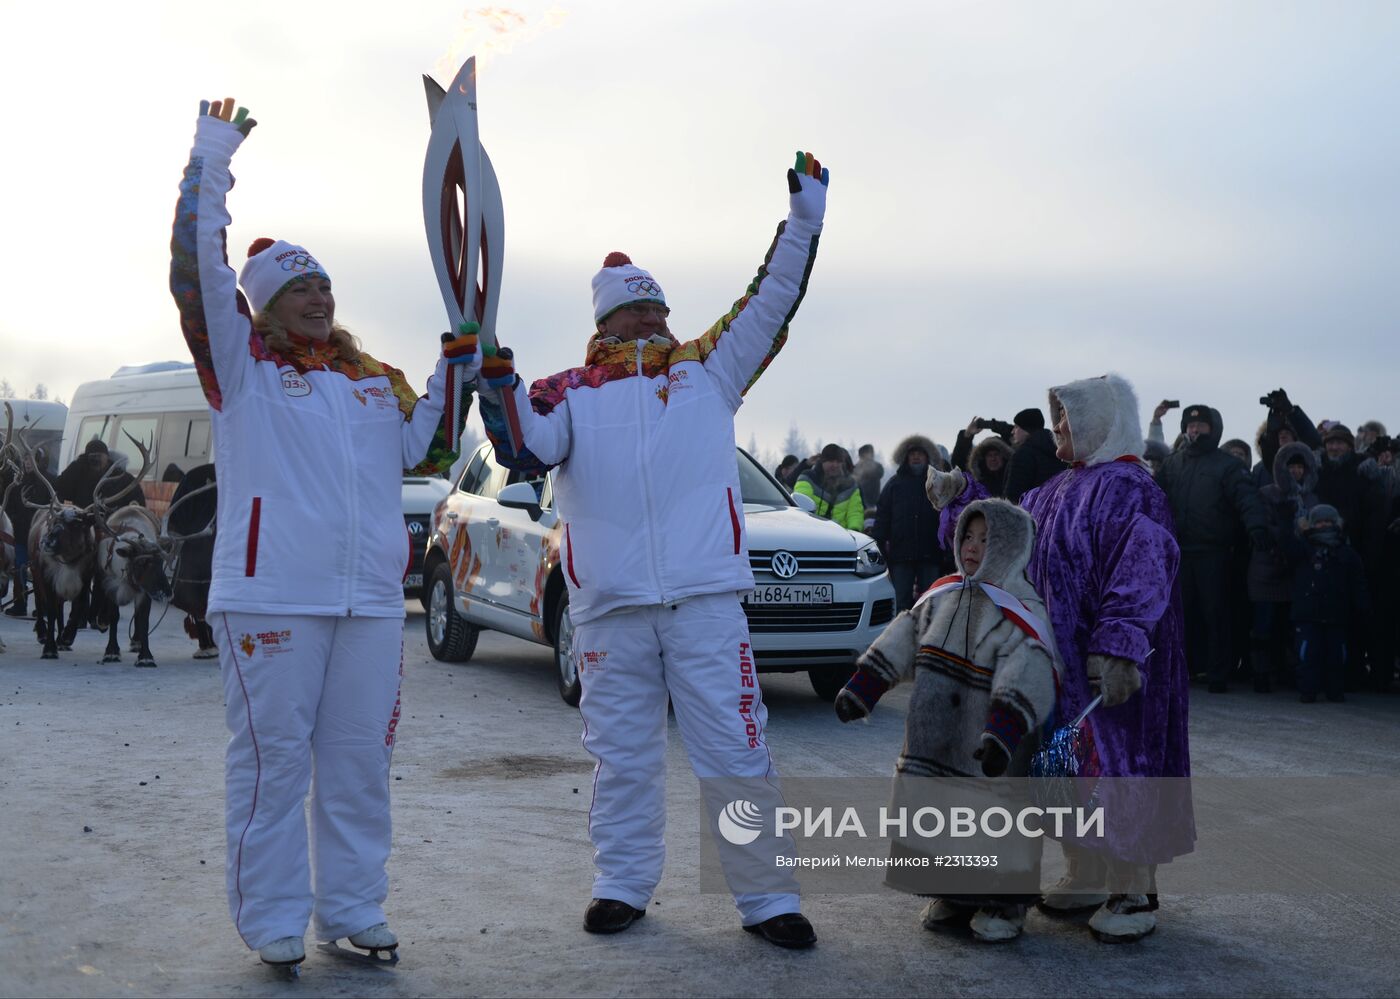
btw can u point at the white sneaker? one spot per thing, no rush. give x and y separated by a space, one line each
940 914
376 937
287 950
1123 919
998 923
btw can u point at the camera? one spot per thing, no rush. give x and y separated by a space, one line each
1171 403
999 427
1277 399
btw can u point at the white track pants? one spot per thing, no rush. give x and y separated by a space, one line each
697 651
303 695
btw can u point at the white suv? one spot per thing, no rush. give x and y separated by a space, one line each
821 593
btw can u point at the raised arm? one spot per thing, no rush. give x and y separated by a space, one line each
744 341
214 316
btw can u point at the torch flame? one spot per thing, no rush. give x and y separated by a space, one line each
487 32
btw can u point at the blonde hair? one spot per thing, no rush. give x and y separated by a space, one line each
275 336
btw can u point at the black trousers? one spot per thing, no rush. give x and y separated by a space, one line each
909 579
1322 658
1205 598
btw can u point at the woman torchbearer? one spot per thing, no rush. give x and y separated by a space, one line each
311 436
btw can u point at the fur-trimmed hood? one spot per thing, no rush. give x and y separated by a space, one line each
902 449
1284 481
977 461
1010 537
1103 418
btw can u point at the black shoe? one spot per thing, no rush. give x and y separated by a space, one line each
16 610
608 915
1262 685
1308 698
1336 698
1219 687
790 930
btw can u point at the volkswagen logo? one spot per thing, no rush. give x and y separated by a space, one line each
415 528
784 564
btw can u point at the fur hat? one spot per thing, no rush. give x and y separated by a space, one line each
272 265
621 282
902 449
95 446
1339 432
1030 420
835 452
1192 414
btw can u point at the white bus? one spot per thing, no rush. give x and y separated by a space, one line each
161 405
42 424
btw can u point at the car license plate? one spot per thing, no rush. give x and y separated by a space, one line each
413 580
781 593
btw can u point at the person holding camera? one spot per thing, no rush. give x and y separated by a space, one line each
1285 424
987 462
1210 493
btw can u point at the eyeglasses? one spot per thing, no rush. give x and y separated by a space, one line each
641 309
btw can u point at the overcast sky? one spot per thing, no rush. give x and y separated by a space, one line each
1201 196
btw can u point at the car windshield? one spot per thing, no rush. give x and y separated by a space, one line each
756 486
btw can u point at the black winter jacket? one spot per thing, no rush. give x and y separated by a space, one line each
1359 500
1329 583
1209 491
1284 502
1032 464
906 524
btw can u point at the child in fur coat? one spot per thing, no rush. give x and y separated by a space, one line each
983 663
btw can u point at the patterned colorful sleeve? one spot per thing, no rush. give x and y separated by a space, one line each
544 420
214 316
743 342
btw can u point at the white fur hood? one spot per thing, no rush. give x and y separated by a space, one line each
1103 418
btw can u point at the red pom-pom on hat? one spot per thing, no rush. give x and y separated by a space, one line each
259 244
616 259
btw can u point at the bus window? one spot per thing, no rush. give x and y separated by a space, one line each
93 428
144 429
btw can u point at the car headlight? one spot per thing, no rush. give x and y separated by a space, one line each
869 561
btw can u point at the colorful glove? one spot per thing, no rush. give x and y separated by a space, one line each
943 487
857 699
807 182
464 349
498 367
1117 679
224 111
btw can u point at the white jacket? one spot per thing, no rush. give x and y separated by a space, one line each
643 434
309 448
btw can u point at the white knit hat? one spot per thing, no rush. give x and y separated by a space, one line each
272 265
620 283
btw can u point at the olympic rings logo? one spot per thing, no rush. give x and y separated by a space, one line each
299 263
643 287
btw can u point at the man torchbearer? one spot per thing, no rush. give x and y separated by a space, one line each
654 550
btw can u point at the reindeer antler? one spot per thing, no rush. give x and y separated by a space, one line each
102 505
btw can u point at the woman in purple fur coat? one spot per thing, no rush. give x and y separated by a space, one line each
1105 561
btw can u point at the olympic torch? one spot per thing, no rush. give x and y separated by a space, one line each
465 224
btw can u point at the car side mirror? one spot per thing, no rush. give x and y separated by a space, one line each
520 496
805 502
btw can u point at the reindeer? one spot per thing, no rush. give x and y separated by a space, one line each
131 569
63 542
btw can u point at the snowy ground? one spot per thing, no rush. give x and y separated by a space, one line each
491 866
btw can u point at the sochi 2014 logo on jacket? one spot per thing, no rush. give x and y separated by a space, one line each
294 383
